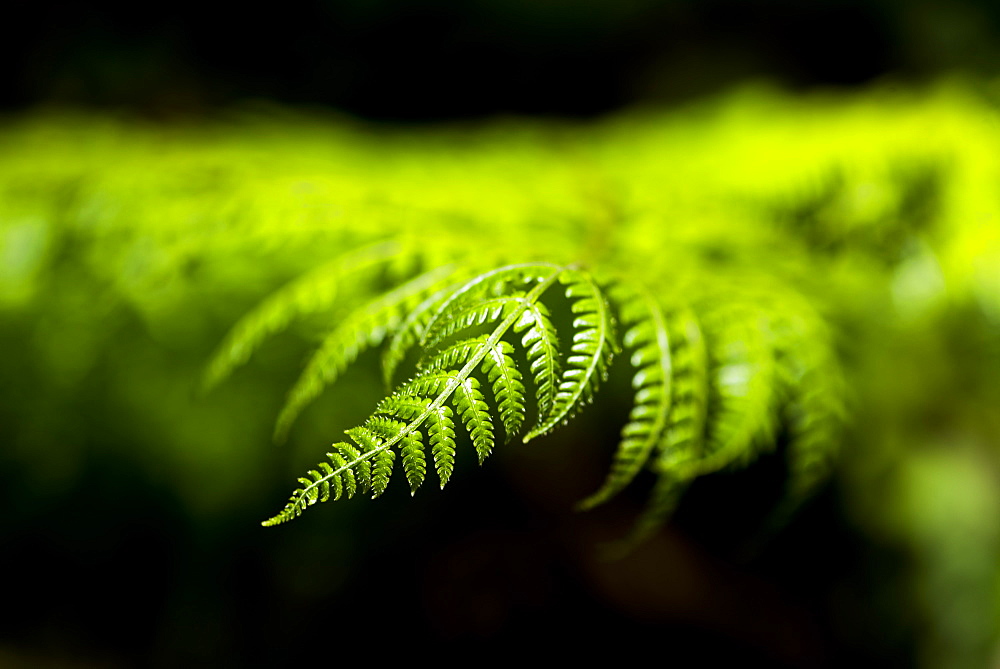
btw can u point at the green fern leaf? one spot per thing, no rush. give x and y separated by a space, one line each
366 327
427 384
746 385
815 408
541 343
312 293
815 416
412 330
499 367
345 481
403 405
591 352
758 365
324 482
453 356
649 342
471 407
381 470
679 448
319 486
479 312
508 390
485 286
684 440
360 471
382 431
441 435
414 459
314 485
468 400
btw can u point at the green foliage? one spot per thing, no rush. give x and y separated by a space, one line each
696 408
726 331
811 277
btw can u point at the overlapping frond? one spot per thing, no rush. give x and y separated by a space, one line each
366 327
648 341
685 437
412 329
745 384
679 451
593 347
314 292
816 398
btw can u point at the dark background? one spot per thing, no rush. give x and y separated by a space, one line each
112 569
447 59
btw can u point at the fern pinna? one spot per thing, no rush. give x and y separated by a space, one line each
712 378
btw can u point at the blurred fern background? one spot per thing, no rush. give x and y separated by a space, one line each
145 207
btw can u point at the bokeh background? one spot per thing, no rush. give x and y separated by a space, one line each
130 503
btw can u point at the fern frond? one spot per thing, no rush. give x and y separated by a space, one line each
382 431
592 350
347 481
362 468
454 355
684 440
404 405
508 390
383 427
487 285
481 301
312 293
680 447
464 316
649 341
366 327
500 370
318 487
700 402
411 330
746 385
815 407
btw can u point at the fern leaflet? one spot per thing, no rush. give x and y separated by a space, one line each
312 293
746 385
649 342
411 330
366 327
441 433
508 390
592 349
